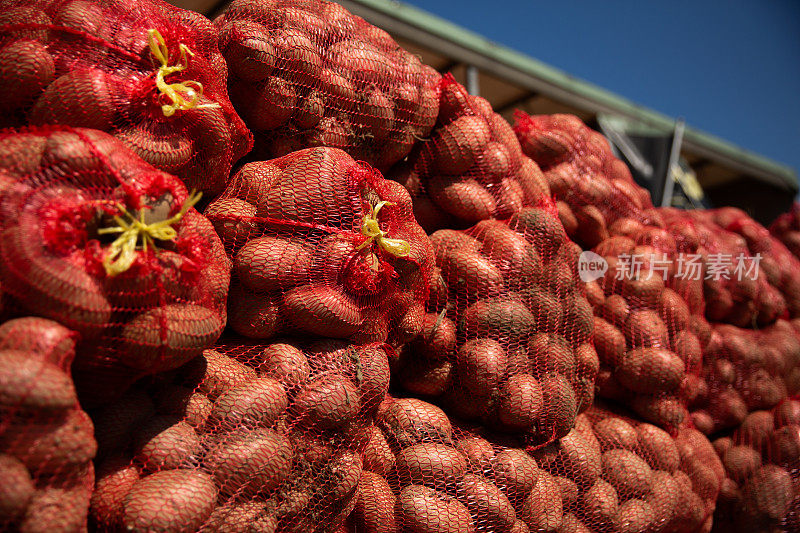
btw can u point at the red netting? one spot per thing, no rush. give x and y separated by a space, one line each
761 459
46 440
100 241
426 473
786 228
507 337
147 72
308 73
244 438
471 168
323 245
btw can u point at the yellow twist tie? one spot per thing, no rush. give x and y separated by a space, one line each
176 92
371 229
122 252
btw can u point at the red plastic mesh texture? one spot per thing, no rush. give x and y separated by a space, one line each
507 337
245 437
76 210
470 168
308 73
46 440
425 472
323 245
786 228
745 371
95 65
761 459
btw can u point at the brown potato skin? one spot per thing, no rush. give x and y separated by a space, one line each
424 510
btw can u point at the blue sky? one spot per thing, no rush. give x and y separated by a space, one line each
731 68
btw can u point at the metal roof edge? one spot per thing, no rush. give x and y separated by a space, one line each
479 44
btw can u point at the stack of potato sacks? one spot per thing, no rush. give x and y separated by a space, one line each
786 228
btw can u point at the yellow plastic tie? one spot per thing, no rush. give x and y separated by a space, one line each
372 230
184 95
122 252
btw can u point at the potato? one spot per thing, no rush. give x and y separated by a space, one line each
633 516
377 455
741 462
663 499
65 506
322 310
600 503
728 408
613 432
615 310
215 373
787 412
255 461
192 407
259 401
498 318
66 100
515 472
543 508
560 406
644 328
627 472
785 445
437 340
650 370
463 198
50 340
666 411
115 477
172 500
609 342
769 492
569 491
424 510
16 490
409 420
487 504
470 274
578 458
165 442
166 337
374 511
762 391
430 464
551 353
246 517
658 448
540 227
29 383
521 402
329 402
478 451
272 264
455 146
481 364
50 444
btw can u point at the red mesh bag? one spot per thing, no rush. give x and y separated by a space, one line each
103 243
323 245
471 168
761 459
745 371
308 73
46 440
507 337
147 72
786 228
245 437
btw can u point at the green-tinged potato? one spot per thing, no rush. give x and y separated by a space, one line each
481 364
51 444
329 402
409 420
543 508
165 442
259 401
663 500
30 383
245 517
741 462
516 473
600 503
114 423
658 448
285 363
460 197
190 406
430 464
627 472
609 342
234 221
374 510
172 500
48 339
521 402
498 318
322 310
456 146
665 411
253 315
271 264
255 461
487 504
614 432
470 275
633 516
377 455
424 510
82 98
167 337
65 507
16 490
115 478
650 370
